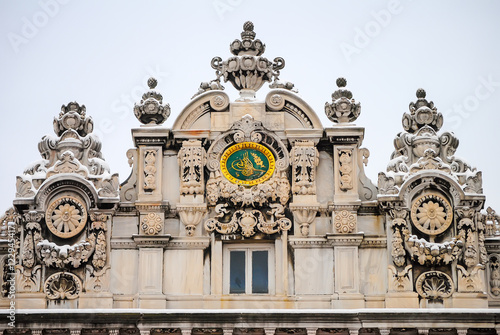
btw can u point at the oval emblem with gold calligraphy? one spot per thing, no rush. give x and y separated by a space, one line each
247 163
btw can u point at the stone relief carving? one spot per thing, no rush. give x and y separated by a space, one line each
400 229
431 214
151 109
191 215
470 281
400 281
491 222
345 221
345 169
62 285
66 216
343 108
98 229
96 280
304 217
150 170
434 285
304 160
430 253
152 224
494 278
192 159
248 223
419 148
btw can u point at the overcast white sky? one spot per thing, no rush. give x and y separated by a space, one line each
100 53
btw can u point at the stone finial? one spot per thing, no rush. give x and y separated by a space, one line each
151 111
248 44
343 108
72 116
422 113
247 70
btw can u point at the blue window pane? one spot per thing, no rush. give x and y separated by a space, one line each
259 272
237 272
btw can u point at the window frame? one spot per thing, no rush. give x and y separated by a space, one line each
248 249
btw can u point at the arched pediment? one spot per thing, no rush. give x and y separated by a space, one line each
199 108
298 113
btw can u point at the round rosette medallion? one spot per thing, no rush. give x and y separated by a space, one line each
247 163
66 217
431 214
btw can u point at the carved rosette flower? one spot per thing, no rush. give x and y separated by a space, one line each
345 222
66 217
152 224
151 109
62 285
343 108
431 214
247 70
434 285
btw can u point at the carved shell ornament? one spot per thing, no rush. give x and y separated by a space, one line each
434 285
62 285
66 217
431 214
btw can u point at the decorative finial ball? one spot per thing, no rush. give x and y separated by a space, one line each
341 82
248 26
421 93
152 82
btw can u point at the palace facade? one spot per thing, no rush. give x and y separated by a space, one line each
250 216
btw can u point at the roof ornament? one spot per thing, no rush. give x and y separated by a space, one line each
343 108
151 110
247 70
73 116
422 113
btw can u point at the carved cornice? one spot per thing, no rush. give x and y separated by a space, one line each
344 239
123 243
188 243
492 246
310 242
374 242
155 207
151 241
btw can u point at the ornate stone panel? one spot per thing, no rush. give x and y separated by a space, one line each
304 159
192 159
